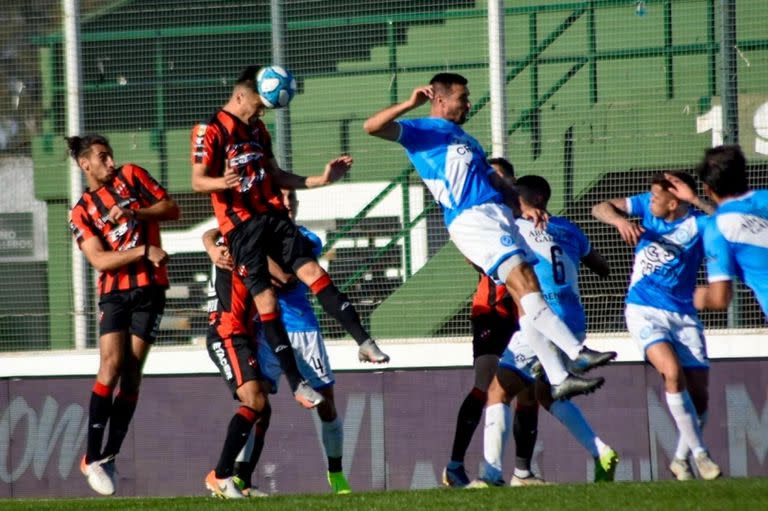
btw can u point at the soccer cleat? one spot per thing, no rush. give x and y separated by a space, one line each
339 484
100 474
605 466
575 385
306 396
222 488
588 359
707 468
480 484
369 352
455 477
247 491
681 469
530 480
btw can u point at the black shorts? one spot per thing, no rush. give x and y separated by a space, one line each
137 311
491 334
270 235
235 357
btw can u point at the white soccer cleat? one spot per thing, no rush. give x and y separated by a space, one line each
681 469
222 488
530 480
100 474
369 352
707 468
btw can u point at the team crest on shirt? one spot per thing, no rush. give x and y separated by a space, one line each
507 240
242 271
122 190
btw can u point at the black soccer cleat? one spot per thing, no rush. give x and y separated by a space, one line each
576 385
589 359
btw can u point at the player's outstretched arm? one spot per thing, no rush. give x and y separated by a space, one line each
613 212
382 124
332 172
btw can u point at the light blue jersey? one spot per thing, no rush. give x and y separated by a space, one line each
451 163
667 258
296 309
559 249
736 242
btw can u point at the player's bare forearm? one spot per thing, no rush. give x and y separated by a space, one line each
704 206
715 296
382 123
608 213
209 239
166 209
202 182
105 260
333 171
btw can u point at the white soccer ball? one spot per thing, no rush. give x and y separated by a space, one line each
276 86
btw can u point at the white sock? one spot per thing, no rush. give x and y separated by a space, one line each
245 452
549 324
572 418
497 421
682 451
522 473
333 438
684 413
545 351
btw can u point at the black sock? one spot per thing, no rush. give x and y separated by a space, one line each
277 337
99 410
466 423
337 305
244 469
122 413
525 430
237 435
334 464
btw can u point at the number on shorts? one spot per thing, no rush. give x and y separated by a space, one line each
317 363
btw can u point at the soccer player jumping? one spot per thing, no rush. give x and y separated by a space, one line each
116 225
232 160
453 166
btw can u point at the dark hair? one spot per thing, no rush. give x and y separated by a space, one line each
79 146
247 77
534 190
506 166
661 180
724 170
444 81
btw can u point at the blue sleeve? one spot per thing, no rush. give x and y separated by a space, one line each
414 136
637 205
314 239
585 247
720 262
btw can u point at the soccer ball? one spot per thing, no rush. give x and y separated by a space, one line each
276 86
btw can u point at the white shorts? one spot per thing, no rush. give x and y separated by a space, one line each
519 358
487 236
311 358
649 325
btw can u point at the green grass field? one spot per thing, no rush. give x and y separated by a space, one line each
721 495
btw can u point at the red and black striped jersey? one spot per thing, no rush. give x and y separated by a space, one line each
131 187
491 298
226 141
235 310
